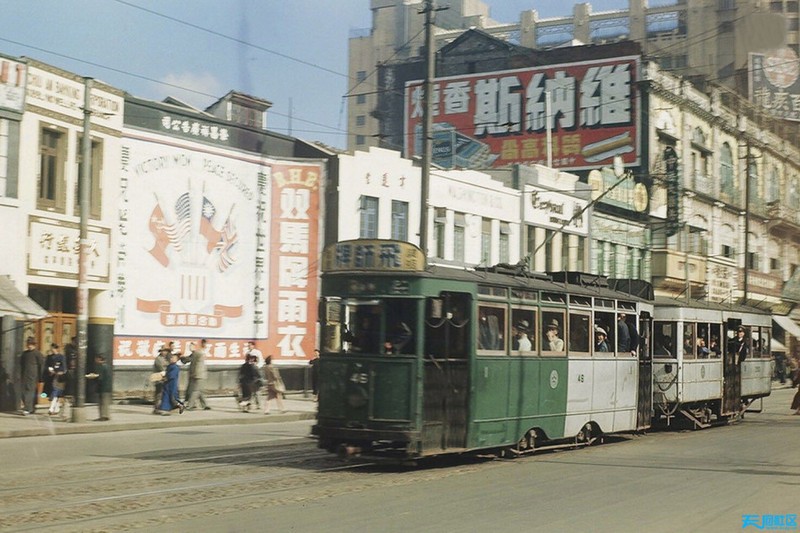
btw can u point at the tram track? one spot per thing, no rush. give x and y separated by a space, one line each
283 474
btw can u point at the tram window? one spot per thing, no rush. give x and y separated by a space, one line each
689 342
627 333
702 350
491 328
447 326
488 290
363 328
761 340
524 295
665 334
600 302
401 318
523 331
580 300
714 341
552 328
556 297
605 321
579 332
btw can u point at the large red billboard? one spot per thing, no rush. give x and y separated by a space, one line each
499 118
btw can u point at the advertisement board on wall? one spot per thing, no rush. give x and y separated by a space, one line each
204 239
499 118
774 83
12 84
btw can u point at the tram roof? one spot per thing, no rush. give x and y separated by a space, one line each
508 278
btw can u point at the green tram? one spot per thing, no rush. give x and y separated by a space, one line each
421 360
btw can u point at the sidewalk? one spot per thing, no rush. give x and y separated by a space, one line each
127 416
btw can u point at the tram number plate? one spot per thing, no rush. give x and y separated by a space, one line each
359 377
581 378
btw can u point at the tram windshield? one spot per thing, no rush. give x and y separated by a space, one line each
370 326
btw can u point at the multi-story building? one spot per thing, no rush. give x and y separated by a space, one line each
474 218
50 162
704 214
202 224
711 38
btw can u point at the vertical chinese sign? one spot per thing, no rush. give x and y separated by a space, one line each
294 260
500 118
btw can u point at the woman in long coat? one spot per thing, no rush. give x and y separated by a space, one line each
275 386
169 396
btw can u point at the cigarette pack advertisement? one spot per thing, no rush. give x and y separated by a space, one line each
500 118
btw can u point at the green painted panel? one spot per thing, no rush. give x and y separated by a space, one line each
491 388
332 387
553 384
392 388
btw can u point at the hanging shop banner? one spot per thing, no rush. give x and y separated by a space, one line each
775 84
499 118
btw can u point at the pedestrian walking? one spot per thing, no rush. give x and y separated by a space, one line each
159 368
31 364
169 397
275 386
57 370
249 376
314 363
102 379
796 399
53 362
197 377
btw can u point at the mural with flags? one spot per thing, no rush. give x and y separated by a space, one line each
188 234
215 244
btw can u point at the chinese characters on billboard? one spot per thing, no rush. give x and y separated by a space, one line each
774 83
218 247
499 118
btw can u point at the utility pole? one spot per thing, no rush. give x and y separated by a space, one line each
746 223
427 126
84 180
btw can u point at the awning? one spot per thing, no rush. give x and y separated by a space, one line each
776 346
788 324
13 302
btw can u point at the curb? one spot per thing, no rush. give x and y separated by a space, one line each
51 428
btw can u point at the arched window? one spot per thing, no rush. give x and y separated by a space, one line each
726 170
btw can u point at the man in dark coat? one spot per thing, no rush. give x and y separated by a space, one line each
31 364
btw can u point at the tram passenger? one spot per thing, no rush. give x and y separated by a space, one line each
702 349
664 348
739 344
522 341
400 337
713 347
489 332
600 344
555 343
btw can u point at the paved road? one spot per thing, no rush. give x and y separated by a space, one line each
270 476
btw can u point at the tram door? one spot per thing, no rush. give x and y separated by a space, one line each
644 408
731 375
446 372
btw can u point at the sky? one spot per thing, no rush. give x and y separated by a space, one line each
292 53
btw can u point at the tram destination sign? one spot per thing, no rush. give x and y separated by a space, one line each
373 255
